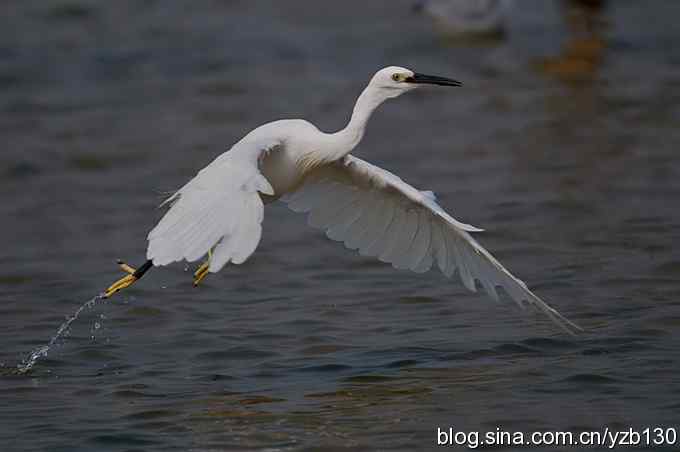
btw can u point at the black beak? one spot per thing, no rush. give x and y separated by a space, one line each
432 80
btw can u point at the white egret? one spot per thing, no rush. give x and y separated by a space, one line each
219 212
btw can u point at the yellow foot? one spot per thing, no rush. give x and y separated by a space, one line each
202 271
122 283
126 268
132 276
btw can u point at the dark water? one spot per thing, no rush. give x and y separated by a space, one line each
563 147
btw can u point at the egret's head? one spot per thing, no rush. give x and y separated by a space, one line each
395 80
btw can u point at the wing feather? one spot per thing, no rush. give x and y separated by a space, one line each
362 223
378 245
421 242
324 214
374 211
220 207
406 234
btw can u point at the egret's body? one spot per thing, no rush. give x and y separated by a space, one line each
286 169
219 212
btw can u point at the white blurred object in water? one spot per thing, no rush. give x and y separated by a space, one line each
468 16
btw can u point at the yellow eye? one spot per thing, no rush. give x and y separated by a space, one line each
397 77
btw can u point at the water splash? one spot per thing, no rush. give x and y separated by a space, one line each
41 352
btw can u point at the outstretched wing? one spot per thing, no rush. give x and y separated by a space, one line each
219 206
377 213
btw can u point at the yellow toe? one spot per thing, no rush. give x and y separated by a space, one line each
201 273
126 268
122 283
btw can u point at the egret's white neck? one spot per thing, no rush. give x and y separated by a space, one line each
346 139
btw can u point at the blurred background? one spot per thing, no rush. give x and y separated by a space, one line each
562 145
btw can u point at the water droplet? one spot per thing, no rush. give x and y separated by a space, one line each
97 325
63 331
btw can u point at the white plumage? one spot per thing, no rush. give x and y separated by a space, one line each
365 207
220 206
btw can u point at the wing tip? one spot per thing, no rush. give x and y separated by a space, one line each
553 314
563 322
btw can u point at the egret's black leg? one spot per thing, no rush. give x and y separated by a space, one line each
143 269
133 274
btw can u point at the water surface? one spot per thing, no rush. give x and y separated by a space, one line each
573 173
